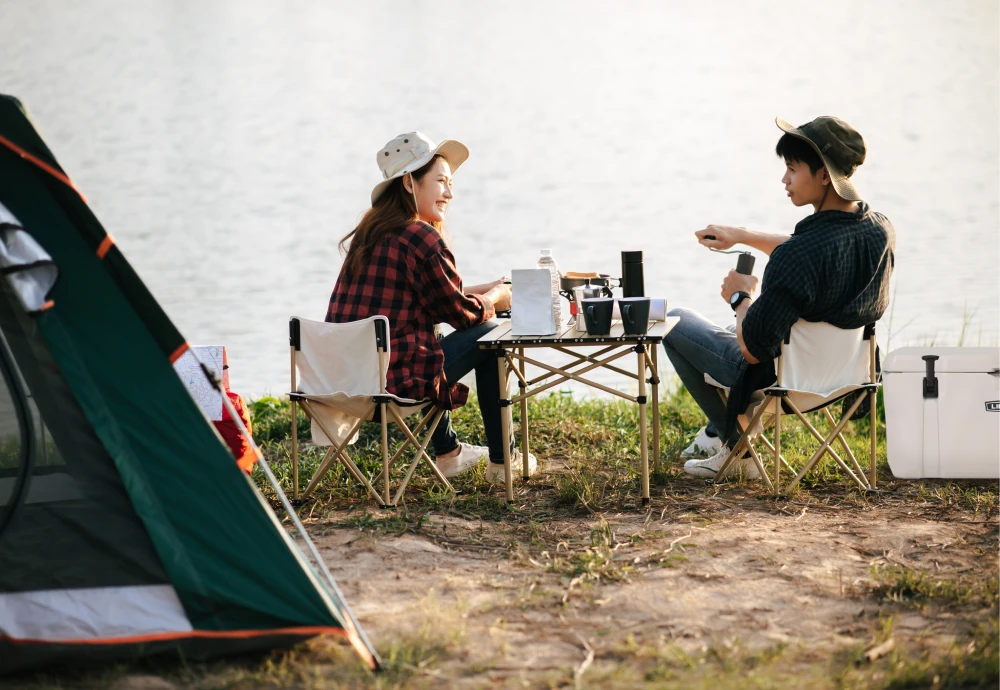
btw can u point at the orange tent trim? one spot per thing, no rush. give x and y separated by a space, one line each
176 354
59 175
105 246
210 634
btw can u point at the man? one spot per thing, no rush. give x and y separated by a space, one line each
835 267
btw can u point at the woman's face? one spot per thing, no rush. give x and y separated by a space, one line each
434 192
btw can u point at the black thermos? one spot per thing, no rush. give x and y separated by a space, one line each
632 283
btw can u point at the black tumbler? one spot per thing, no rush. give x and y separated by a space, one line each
632 283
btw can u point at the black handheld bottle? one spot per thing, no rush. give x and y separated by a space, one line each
744 263
632 282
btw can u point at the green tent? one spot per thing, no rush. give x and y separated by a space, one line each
126 528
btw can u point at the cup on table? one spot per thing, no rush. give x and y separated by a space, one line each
635 314
597 315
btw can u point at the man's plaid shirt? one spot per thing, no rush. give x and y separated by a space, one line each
411 279
834 268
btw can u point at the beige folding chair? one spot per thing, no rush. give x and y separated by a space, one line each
819 365
338 375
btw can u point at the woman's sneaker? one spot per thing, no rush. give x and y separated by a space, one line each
709 467
467 458
704 446
494 470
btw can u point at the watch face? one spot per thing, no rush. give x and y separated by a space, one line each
734 298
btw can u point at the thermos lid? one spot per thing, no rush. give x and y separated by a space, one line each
632 257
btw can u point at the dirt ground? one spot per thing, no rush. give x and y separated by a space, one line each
751 574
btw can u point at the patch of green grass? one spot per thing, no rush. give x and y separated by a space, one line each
896 583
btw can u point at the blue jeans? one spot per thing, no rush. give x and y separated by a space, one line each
462 355
696 347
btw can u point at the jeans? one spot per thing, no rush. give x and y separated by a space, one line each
697 347
462 355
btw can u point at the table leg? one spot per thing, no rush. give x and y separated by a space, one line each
655 376
505 424
643 451
525 465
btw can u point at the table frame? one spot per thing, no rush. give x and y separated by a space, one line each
512 359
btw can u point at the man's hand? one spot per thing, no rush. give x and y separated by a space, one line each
736 282
484 288
725 236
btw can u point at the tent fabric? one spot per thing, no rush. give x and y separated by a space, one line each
93 613
210 535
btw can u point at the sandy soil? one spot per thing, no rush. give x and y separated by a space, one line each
751 571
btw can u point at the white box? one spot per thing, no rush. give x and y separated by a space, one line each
942 416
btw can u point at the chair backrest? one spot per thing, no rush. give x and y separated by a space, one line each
821 358
342 358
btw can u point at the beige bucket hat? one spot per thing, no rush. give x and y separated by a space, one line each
840 147
412 151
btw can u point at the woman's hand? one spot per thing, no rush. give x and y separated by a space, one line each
499 294
724 236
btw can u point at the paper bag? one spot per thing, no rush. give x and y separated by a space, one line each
531 310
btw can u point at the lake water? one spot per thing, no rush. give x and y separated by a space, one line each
229 144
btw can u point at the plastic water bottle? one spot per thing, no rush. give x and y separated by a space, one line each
546 261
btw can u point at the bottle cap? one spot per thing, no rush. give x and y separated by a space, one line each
632 257
546 252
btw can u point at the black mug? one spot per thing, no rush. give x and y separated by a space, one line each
597 315
635 314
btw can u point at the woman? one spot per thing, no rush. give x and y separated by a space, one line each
400 265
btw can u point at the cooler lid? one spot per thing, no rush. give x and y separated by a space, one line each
955 360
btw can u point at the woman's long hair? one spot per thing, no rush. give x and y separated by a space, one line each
393 210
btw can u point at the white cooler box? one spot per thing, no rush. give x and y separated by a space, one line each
942 412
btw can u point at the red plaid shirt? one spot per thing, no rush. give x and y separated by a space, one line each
411 279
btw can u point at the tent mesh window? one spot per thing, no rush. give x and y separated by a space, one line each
63 499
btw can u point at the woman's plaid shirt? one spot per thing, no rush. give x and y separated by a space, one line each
411 279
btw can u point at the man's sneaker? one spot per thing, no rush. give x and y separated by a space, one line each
467 458
709 467
494 470
703 447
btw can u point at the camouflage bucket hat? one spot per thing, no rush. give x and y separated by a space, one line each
840 146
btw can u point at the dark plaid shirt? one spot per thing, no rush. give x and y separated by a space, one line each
834 268
411 279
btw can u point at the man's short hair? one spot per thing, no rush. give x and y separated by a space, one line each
795 150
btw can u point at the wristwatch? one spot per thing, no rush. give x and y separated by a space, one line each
738 297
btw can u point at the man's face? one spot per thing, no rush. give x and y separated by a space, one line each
802 185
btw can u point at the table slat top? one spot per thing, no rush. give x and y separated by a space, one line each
568 335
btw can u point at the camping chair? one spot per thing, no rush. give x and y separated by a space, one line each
819 365
341 370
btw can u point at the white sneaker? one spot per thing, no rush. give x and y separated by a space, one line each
704 446
494 470
709 467
467 458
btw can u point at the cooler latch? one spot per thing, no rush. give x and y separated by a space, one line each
930 380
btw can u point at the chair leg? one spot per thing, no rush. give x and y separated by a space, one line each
744 441
843 444
295 454
337 453
777 446
825 445
385 455
421 452
872 479
421 449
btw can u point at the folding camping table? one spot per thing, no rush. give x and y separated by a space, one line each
511 359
